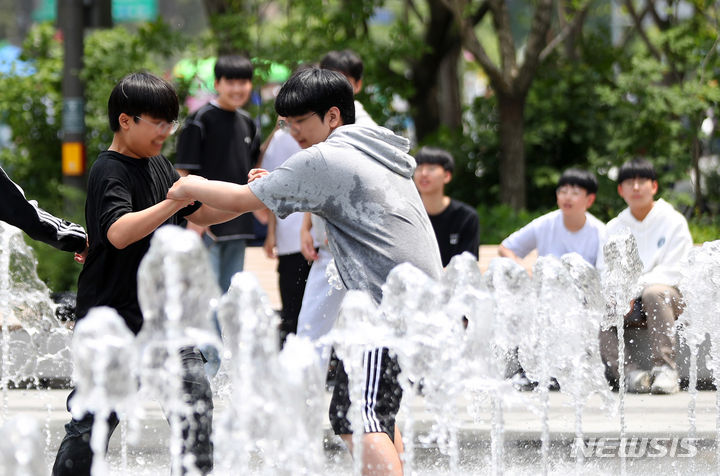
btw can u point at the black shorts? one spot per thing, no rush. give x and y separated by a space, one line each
381 395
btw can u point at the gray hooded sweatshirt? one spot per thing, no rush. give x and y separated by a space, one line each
360 181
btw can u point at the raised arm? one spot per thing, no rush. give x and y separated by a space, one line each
224 196
135 226
207 215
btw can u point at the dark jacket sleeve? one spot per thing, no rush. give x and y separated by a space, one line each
40 225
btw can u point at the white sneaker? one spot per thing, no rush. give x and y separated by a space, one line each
665 380
638 381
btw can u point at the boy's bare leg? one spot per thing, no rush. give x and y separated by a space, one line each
380 456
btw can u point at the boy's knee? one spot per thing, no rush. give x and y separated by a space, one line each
658 297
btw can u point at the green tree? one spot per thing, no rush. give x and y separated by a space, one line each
665 87
511 76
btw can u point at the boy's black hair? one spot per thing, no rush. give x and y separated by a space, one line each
435 155
142 93
581 178
233 67
636 168
316 90
346 62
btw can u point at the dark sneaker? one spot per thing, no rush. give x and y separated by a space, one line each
522 383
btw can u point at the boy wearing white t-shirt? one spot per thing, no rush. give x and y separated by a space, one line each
663 241
568 229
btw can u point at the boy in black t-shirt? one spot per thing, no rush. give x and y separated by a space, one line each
456 224
221 142
126 202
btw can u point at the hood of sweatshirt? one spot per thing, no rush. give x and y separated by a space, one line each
660 209
379 143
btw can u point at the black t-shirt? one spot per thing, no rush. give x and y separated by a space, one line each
457 229
117 185
221 145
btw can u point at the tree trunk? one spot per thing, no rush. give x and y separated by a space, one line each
448 97
512 150
435 75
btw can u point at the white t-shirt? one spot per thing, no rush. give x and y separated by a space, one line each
287 231
549 236
362 118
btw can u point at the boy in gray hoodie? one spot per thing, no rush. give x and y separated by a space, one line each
359 179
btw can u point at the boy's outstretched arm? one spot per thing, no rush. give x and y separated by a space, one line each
226 196
207 215
135 226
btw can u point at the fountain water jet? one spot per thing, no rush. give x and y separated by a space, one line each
484 328
700 288
104 357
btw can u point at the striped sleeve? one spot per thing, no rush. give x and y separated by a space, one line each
40 225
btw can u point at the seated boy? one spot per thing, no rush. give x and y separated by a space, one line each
359 179
663 241
126 202
570 228
456 224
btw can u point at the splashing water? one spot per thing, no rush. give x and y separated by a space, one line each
359 330
104 357
419 318
619 282
509 284
267 385
35 344
21 453
177 292
700 288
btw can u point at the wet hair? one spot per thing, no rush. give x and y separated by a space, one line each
636 168
316 90
233 67
346 62
435 156
581 178
142 93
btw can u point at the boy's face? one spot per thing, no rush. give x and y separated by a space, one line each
233 93
309 129
638 192
144 136
573 200
431 178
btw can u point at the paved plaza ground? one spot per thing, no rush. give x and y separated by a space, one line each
647 416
